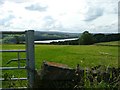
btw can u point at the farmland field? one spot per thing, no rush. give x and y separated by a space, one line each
110 43
85 55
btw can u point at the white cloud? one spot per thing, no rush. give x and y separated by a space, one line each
59 15
93 13
5 21
37 7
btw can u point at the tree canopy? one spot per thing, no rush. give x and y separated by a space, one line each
86 38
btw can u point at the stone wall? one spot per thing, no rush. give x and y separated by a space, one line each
56 75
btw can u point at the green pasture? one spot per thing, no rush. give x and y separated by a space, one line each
110 43
85 55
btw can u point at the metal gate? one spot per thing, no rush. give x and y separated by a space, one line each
30 58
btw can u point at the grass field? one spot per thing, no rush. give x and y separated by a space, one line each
110 43
86 56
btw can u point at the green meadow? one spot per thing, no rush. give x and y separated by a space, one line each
71 55
85 55
110 43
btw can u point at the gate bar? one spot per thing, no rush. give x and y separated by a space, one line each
12 32
13 79
12 60
11 68
12 50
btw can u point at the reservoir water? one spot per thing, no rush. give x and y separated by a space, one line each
49 41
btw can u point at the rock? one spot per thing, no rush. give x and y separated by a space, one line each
56 75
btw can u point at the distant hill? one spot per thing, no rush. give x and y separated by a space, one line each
40 35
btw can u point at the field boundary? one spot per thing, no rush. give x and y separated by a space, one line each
107 45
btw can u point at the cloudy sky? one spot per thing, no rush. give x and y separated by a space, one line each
59 15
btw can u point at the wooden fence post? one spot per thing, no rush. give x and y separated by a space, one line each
30 57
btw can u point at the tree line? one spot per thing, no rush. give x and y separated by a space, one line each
88 38
85 38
